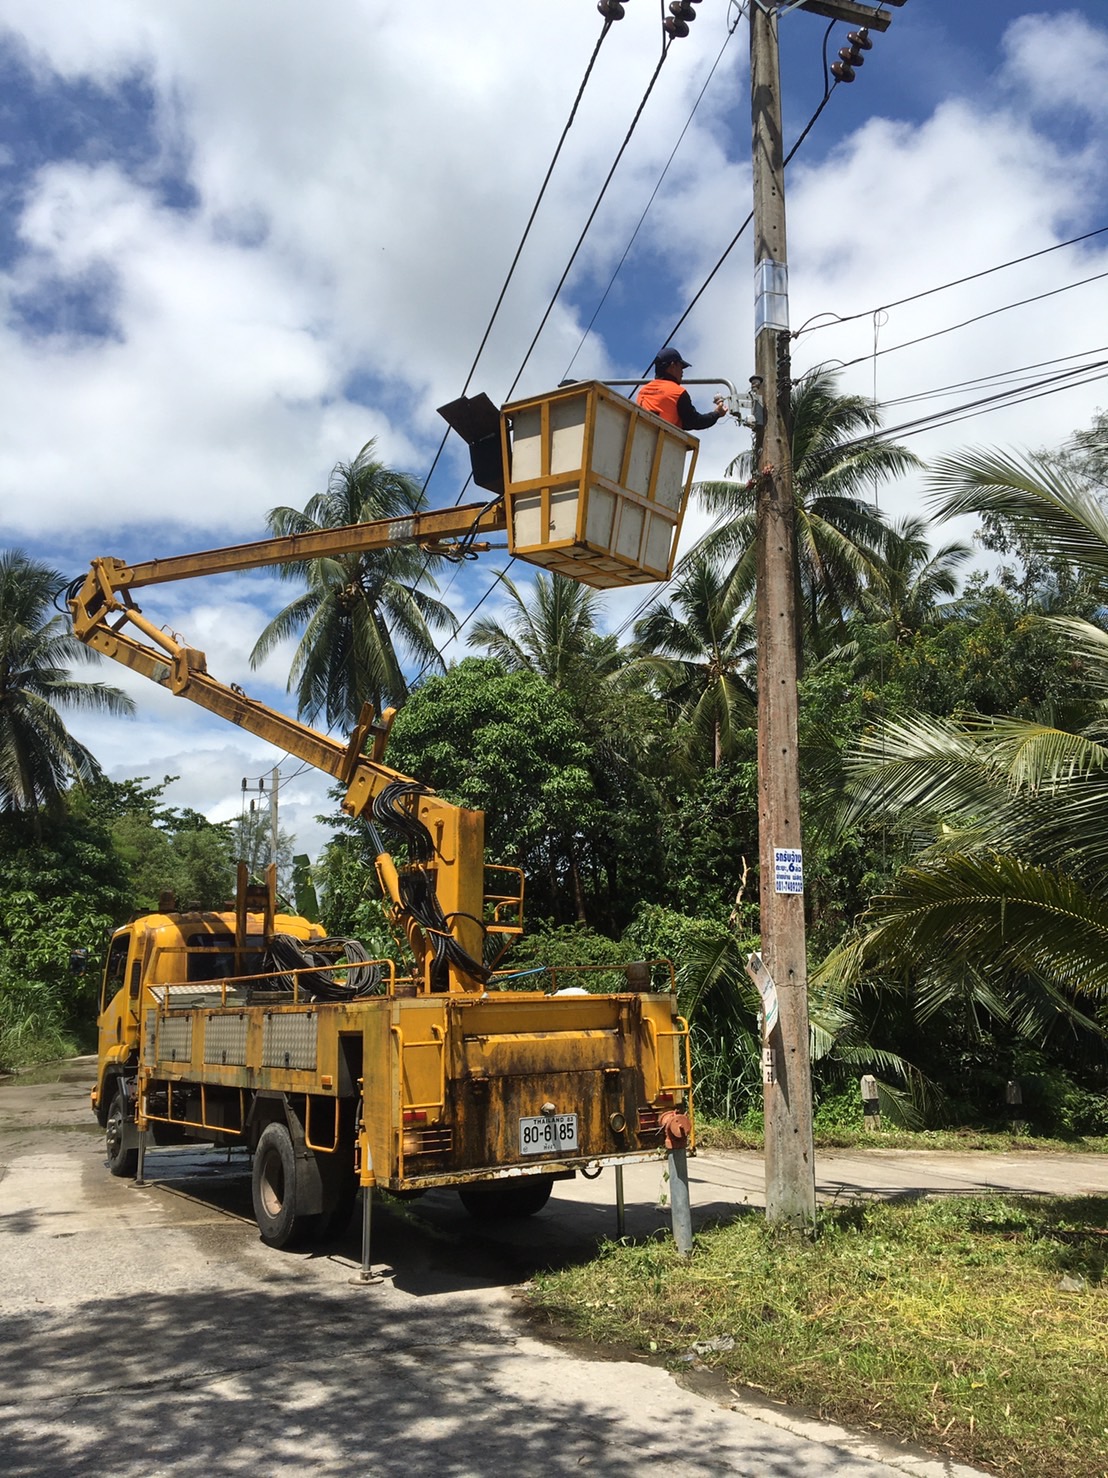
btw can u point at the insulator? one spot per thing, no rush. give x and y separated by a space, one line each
611 10
674 26
851 56
842 72
861 39
682 9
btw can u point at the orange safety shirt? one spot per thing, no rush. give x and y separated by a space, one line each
661 397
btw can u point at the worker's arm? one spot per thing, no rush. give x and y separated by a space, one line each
694 420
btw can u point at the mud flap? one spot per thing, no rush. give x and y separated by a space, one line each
309 1181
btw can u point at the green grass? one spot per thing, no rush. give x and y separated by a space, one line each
718 1134
974 1327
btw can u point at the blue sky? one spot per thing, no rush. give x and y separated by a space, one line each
236 242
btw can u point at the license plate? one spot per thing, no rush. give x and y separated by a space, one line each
549 1132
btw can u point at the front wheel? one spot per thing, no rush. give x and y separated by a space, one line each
273 1187
492 1200
122 1159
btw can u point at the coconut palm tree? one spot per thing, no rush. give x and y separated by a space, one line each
552 632
39 758
841 533
1010 885
362 614
699 648
912 580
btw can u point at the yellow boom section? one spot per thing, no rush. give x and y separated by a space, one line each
439 897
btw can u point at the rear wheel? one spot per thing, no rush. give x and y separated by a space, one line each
273 1185
122 1160
491 1200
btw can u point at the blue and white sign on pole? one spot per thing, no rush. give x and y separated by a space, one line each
788 870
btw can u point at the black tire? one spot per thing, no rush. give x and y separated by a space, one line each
496 1199
122 1161
273 1187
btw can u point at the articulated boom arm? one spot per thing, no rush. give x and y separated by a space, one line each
439 896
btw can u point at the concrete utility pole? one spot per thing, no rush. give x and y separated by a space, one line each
781 973
787 1077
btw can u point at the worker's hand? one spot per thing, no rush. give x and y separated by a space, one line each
721 405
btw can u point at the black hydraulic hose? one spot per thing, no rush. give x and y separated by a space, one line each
286 954
394 808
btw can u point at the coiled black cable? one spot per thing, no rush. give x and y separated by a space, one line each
286 954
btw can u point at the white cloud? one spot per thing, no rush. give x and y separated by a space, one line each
1057 63
362 177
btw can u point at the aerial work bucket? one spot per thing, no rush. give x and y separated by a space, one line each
597 488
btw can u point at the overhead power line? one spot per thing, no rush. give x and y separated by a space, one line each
835 319
998 377
977 318
526 231
1086 374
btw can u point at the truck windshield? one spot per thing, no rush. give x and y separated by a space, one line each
212 957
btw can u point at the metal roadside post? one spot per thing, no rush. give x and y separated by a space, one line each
140 1168
677 1127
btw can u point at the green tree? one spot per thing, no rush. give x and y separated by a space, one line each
362 615
553 632
38 756
163 849
62 890
913 579
997 921
838 461
699 648
554 635
507 743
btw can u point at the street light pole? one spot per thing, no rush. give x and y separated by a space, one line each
787 1078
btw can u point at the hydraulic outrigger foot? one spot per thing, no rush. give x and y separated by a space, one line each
366 1277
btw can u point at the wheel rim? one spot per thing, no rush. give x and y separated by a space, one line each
114 1131
272 1185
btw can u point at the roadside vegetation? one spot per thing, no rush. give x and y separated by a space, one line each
976 1328
954 755
954 749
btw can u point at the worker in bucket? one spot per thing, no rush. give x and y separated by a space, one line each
665 396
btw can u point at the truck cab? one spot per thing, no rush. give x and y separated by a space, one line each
171 948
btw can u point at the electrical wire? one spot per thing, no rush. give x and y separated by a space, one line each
592 216
550 306
654 193
526 233
835 319
828 91
978 318
1019 395
998 377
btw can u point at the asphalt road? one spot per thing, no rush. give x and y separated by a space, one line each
148 1331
